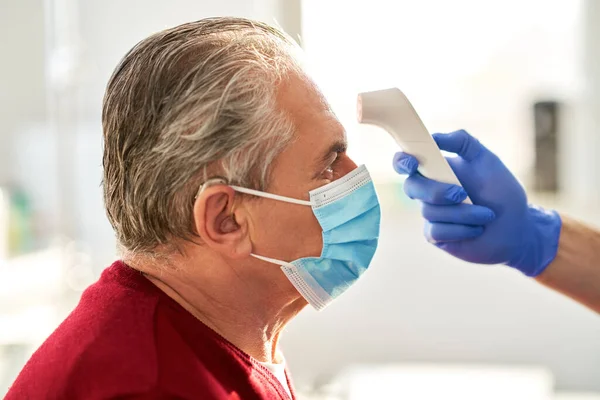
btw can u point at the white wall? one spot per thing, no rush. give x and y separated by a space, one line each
586 143
22 101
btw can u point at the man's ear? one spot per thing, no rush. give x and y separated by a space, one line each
219 225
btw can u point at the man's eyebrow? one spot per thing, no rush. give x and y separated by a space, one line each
339 146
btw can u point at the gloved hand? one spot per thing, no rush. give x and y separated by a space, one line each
500 227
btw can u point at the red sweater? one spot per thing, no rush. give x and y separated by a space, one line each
128 339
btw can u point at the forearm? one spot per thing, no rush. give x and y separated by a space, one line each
575 271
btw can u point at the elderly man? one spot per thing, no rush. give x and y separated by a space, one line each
235 205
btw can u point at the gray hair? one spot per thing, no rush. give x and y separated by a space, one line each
185 103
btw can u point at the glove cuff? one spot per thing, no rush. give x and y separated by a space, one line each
540 241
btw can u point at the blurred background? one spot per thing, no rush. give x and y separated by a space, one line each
521 75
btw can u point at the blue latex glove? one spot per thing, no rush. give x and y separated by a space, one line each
500 227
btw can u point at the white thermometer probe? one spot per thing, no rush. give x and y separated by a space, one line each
391 110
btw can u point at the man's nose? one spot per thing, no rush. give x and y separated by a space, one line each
348 166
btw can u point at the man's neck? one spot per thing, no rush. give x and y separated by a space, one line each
230 307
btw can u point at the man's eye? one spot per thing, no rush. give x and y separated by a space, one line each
328 173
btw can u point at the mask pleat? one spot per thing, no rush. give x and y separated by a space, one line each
364 226
347 208
334 276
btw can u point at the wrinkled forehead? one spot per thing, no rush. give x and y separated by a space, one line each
310 112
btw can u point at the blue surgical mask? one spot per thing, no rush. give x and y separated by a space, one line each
349 214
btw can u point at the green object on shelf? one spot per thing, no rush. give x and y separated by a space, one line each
20 232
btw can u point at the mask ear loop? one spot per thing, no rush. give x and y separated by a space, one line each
273 261
271 196
239 189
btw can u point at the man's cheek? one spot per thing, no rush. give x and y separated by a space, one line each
312 240
301 234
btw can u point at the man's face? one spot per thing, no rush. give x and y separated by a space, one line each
316 157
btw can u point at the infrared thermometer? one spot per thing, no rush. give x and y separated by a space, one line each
391 110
